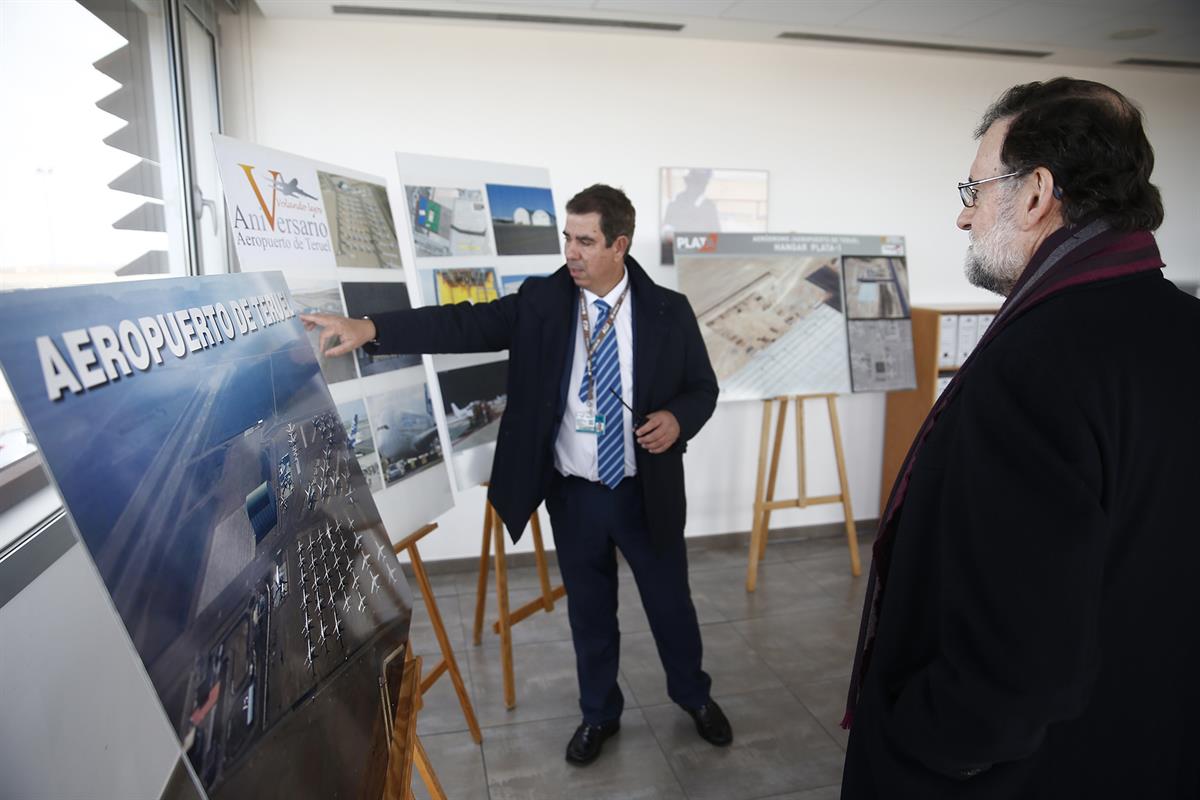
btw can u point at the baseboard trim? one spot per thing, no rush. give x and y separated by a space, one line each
865 527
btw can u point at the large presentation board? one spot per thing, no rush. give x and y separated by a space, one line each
331 231
474 230
795 314
199 452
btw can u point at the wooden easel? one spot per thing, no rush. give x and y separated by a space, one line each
448 663
493 530
764 491
406 750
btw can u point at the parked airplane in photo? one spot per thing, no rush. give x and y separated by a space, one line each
405 441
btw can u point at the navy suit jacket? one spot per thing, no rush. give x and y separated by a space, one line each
537 326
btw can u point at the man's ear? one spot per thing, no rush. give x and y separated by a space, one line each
621 245
1042 204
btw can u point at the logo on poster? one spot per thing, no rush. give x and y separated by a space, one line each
697 244
291 211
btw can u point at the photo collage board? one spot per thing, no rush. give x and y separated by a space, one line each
800 314
332 232
474 231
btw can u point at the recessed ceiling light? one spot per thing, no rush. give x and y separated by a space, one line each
1132 33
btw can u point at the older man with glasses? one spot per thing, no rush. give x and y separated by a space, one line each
1029 630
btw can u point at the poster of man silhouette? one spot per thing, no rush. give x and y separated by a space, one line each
705 200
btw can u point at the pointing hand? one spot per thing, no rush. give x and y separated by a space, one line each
349 333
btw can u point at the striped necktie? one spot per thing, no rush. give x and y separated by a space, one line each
606 370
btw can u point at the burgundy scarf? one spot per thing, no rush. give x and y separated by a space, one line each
1071 256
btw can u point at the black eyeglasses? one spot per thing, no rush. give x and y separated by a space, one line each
967 191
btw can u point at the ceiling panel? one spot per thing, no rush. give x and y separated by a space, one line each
933 17
1081 30
1095 5
1034 24
1168 29
1189 7
516 6
816 13
673 8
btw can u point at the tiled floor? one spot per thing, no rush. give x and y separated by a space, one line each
779 658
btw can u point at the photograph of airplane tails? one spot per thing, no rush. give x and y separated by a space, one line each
405 432
474 399
360 440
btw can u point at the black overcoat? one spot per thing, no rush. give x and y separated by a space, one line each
1039 635
537 326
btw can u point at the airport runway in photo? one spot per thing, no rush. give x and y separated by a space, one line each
525 240
746 305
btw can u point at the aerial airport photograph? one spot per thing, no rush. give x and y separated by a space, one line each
773 324
236 535
876 287
360 222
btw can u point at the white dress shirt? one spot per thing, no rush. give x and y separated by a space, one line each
575 452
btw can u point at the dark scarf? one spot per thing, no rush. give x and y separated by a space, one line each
1071 256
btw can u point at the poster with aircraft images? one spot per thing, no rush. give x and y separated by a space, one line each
474 232
794 314
202 462
706 199
332 232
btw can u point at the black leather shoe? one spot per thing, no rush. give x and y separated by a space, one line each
585 744
711 723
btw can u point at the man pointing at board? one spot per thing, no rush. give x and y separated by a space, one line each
608 379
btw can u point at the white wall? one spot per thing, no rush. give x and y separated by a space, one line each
80 717
855 141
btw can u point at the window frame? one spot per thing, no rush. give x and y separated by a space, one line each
26 480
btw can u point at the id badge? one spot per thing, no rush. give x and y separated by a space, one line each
587 422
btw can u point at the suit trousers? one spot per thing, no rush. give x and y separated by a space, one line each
590 523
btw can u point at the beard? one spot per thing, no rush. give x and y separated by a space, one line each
994 261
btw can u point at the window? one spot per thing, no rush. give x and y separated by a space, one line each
100 98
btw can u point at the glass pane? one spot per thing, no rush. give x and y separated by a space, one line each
200 66
88 157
